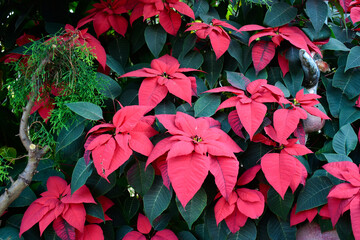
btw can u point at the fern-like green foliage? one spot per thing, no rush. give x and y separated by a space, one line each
68 75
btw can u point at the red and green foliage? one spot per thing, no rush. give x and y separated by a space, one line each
202 128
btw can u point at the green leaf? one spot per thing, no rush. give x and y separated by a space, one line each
345 140
294 80
130 207
129 97
281 207
194 207
200 7
241 53
25 199
137 38
314 194
252 76
161 222
95 210
280 230
86 110
108 86
122 231
334 157
46 170
246 232
279 14
347 81
253 154
353 59
335 45
165 107
216 232
9 233
157 199
155 37
119 49
206 105
348 114
336 100
99 186
114 65
140 179
189 44
212 67
202 232
185 235
80 174
192 60
237 80
69 134
317 10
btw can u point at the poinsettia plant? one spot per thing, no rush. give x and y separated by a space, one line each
179 119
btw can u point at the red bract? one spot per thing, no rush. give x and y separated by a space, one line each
345 196
106 14
262 52
144 227
251 110
219 38
131 132
81 37
169 19
287 120
243 203
165 75
22 40
60 205
196 147
91 232
296 218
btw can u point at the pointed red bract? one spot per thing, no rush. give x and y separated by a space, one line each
262 53
164 76
58 203
195 147
91 232
143 224
296 218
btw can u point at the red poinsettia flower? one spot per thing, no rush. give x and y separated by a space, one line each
169 19
251 110
144 227
22 40
219 38
106 14
130 132
83 37
91 232
283 170
59 205
345 196
286 120
45 103
263 51
243 203
165 75
196 147
296 218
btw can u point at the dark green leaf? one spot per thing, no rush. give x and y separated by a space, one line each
80 174
281 207
279 14
283 88
345 140
69 134
353 59
114 65
294 80
155 37
280 230
348 82
86 110
49 234
337 100
95 210
108 86
317 10
165 107
241 53
129 97
122 231
247 232
193 208
186 108
140 179
46 170
9 233
237 80
161 222
216 232
314 194
25 199
334 157
212 67
99 186
130 207
137 38
185 235
157 199
202 232
206 105
348 114
254 153
335 44
200 7
251 74
119 49
189 44
192 60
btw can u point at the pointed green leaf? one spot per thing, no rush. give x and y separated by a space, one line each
347 81
348 114
185 235
108 86
317 10
281 207
216 232
140 179
200 7
25 199
294 80
80 174
280 230
155 37
314 194
114 65
130 207
119 49
95 210
336 45
279 14
345 140
247 232
212 67
334 157
69 134
193 208
99 186
157 199
86 110
206 105
192 60
353 59
337 100
10 233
